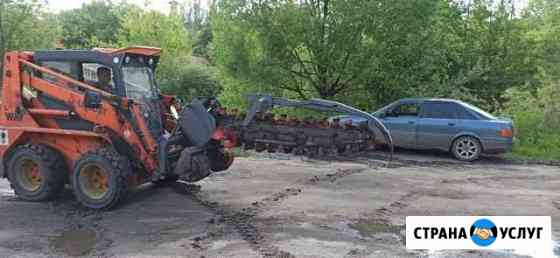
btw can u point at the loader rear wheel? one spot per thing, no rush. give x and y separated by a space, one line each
100 179
36 172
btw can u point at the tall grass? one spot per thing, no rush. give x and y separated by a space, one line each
536 123
533 140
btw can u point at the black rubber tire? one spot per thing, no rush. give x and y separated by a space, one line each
166 181
118 168
219 160
51 168
474 148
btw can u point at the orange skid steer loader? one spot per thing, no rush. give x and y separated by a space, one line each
96 120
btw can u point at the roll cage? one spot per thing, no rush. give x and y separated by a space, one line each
112 58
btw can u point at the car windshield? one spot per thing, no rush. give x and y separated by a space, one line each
381 111
479 111
139 82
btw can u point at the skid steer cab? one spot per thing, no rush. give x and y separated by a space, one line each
96 120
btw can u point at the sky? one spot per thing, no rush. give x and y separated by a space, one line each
159 5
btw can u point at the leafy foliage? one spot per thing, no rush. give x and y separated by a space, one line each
192 80
95 24
197 21
373 52
176 73
25 25
152 28
537 125
363 52
537 112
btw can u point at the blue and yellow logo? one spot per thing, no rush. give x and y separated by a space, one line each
483 232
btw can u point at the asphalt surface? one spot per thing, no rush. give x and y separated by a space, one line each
272 205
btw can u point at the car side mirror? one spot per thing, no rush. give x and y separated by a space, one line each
92 99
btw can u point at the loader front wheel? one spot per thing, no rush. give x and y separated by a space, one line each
100 179
36 172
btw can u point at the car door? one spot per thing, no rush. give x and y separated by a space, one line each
401 122
437 125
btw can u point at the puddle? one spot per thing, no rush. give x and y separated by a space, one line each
75 242
369 228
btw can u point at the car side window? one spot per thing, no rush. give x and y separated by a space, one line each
407 109
439 110
463 113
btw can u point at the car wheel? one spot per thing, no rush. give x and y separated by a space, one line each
466 148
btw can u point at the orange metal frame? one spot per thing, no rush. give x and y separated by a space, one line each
28 121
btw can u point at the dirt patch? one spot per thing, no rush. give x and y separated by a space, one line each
403 162
316 209
77 242
448 194
371 227
244 221
241 221
403 202
276 198
334 176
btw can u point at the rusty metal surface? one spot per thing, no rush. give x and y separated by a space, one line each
262 130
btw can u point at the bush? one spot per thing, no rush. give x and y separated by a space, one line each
189 80
537 133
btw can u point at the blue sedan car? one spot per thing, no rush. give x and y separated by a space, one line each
449 125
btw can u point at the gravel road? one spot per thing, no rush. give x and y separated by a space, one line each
271 205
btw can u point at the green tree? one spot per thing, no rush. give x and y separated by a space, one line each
373 52
153 28
536 111
177 73
304 48
369 52
197 22
25 25
95 24
543 22
494 52
193 80
412 46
